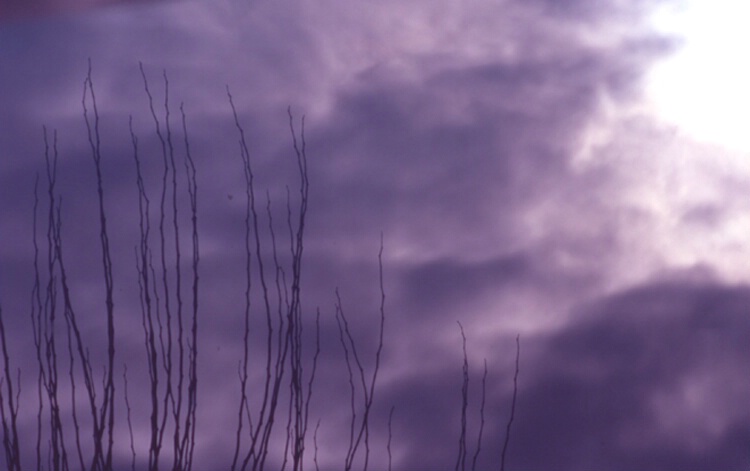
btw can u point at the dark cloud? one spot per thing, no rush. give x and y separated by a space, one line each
19 9
462 146
466 144
650 378
435 283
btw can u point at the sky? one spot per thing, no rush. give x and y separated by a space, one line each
572 173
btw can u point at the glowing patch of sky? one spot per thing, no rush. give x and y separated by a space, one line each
703 87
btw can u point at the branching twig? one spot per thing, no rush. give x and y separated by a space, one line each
512 405
175 406
361 433
462 447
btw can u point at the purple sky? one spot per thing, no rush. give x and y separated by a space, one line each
510 152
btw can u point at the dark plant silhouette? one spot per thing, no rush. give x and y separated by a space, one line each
512 405
76 407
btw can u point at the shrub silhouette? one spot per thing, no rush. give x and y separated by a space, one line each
75 405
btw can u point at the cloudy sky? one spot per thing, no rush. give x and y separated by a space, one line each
572 172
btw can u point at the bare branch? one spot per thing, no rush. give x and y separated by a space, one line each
481 418
512 405
461 458
361 433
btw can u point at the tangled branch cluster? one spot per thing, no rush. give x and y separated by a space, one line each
167 268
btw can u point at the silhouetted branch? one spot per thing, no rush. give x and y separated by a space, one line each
462 447
106 412
10 431
481 418
36 323
188 444
512 405
283 335
168 295
361 433
174 407
461 458
315 444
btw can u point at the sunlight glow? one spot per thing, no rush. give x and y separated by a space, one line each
705 87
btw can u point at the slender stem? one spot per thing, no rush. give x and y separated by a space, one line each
512 405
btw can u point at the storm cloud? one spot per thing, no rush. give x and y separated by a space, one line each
504 151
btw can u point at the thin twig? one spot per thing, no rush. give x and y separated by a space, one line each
481 418
461 458
512 405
